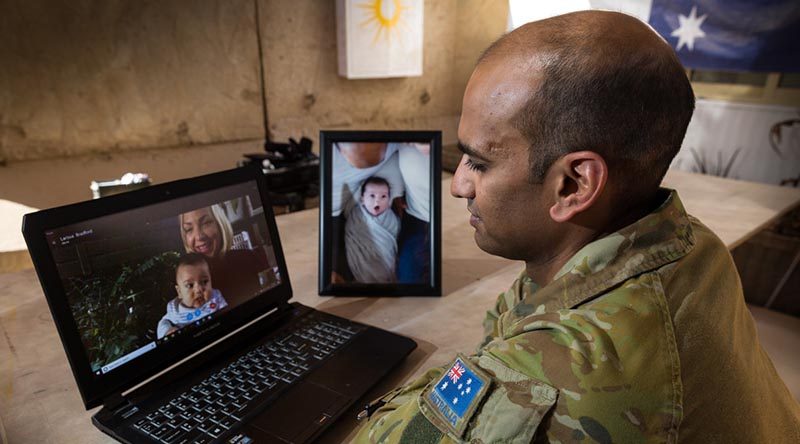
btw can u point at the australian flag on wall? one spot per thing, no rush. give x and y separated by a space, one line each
731 35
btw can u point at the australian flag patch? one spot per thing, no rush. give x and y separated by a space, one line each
457 394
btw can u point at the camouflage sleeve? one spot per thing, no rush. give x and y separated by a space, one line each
613 360
606 371
396 420
506 407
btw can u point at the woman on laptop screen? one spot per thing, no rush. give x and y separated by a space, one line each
239 269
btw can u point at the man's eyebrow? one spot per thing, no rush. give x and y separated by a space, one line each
469 151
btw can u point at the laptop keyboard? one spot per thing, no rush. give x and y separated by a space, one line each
210 408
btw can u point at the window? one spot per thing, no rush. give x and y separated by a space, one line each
789 80
736 78
753 87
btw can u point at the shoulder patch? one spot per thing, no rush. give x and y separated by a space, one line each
456 395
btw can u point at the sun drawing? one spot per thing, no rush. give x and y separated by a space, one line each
385 15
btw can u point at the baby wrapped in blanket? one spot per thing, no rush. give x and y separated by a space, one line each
371 234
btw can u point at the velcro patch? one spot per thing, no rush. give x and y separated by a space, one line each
457 394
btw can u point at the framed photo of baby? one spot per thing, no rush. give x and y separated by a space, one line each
380 213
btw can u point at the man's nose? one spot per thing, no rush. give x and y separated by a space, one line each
462 185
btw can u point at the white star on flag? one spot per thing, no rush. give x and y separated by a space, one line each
469 381
462 392
455 400
460 385
444 386
469 389
689 29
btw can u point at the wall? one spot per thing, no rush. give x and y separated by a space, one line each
106 76
92 89
479 23
305 93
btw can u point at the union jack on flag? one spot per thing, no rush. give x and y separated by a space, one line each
455 372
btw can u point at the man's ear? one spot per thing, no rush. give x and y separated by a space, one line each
579 178
178 290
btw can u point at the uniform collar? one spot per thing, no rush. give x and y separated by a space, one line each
661 237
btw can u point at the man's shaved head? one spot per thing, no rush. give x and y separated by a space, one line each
603 82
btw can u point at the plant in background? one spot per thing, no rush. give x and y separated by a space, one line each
775 137
117 312
720 167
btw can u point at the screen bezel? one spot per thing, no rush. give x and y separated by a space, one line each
433 287
95 388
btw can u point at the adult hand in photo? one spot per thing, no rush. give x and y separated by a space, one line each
424 148
363 155
399 206
337 278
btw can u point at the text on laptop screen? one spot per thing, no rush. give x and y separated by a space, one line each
136 279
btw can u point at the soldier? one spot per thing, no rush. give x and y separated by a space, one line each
628 323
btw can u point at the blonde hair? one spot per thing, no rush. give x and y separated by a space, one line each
224 225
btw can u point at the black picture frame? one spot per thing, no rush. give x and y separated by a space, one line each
418 250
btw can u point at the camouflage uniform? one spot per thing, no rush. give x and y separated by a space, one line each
643 336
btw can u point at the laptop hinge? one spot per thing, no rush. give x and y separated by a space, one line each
118 405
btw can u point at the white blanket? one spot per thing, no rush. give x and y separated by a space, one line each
371 245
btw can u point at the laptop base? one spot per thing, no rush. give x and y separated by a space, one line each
305 409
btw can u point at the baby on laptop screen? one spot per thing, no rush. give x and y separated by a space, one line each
196 296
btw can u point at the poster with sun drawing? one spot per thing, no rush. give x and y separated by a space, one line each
379 38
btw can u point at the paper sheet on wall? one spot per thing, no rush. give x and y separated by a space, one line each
379 38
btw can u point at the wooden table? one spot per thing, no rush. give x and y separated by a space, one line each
735 210
39 401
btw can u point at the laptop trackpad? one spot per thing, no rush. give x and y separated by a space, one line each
300 412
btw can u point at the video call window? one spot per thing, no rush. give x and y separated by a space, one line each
134 279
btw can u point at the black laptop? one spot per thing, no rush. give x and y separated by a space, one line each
173 306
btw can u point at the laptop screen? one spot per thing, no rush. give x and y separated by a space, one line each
139 279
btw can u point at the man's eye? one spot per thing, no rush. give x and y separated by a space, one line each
474 166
